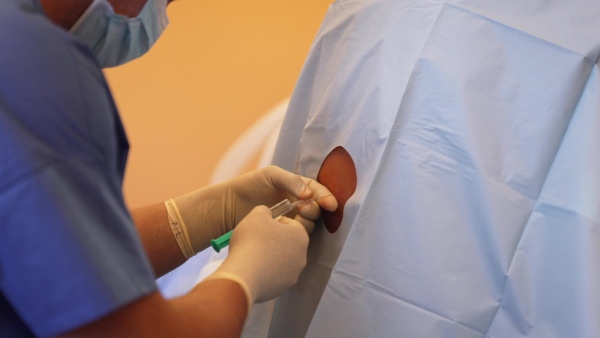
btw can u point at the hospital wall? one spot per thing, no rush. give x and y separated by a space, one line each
217 68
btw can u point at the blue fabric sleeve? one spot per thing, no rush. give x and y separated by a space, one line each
69 252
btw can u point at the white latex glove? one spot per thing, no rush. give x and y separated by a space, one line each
212 211
266 256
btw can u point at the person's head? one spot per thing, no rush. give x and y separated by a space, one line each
117 31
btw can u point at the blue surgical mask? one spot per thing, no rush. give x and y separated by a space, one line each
116 39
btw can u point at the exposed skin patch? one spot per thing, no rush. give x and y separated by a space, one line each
338 174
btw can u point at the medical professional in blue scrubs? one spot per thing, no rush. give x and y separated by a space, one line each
74 261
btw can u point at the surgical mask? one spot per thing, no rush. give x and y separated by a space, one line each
116 39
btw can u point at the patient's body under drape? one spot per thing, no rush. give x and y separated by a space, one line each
475 130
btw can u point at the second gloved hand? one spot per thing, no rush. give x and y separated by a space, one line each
212 211
266 256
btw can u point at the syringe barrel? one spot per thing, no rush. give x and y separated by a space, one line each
281 208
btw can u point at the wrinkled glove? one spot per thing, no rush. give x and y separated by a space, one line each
265 256
210 212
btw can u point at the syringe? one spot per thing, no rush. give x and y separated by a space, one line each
277 210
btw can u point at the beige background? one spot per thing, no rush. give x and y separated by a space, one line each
218 67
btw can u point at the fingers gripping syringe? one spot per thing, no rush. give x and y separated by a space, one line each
278 210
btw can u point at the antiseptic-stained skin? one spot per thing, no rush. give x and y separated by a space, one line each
338 174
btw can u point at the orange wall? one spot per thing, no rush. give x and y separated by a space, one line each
217 68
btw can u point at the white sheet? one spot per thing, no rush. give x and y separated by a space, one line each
475 129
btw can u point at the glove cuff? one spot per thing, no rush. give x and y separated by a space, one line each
235 278
179 230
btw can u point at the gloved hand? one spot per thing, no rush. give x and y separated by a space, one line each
212 211
265 256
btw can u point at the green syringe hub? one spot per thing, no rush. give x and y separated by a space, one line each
221 242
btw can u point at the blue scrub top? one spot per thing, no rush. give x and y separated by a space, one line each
69 252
